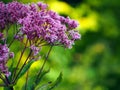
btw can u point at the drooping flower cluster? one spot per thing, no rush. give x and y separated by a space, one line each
1 35
4 56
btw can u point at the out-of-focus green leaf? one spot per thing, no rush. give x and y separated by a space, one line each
50 85
31 84
43 87
41 76
58 80
2 42
26 67
7 88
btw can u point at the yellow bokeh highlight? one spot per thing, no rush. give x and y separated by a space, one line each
60 7
36 64
89 22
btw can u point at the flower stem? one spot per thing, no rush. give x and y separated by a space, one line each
19 59
13 37
40 71
26 80
22 66
7 28
1 77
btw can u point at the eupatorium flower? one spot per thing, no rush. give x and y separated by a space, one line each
4 55
42 6
2 16
1 35
11 13
35 50
15 11
38 22
49 26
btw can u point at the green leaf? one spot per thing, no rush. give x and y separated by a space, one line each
58 80
8 88
2 42
42 75
50 85
26 67
44 86
31 84
12 69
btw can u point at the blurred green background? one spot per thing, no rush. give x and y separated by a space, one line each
94 61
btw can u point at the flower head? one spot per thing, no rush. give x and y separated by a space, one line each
49 26
4 55
1 35
42 6
35 50
11 55
2 16
38 22
15 11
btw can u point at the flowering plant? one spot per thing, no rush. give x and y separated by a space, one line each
35 27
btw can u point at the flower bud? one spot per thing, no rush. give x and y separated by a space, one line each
11 55
1 35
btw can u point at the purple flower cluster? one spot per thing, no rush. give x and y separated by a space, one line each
4 56
1 35
15 11
35 50
47 25
11 13
38 22
2 16
42 6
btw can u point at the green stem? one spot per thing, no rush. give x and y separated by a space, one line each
19 60
3 79
40 71
6 36
13 37
22 66
26 80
